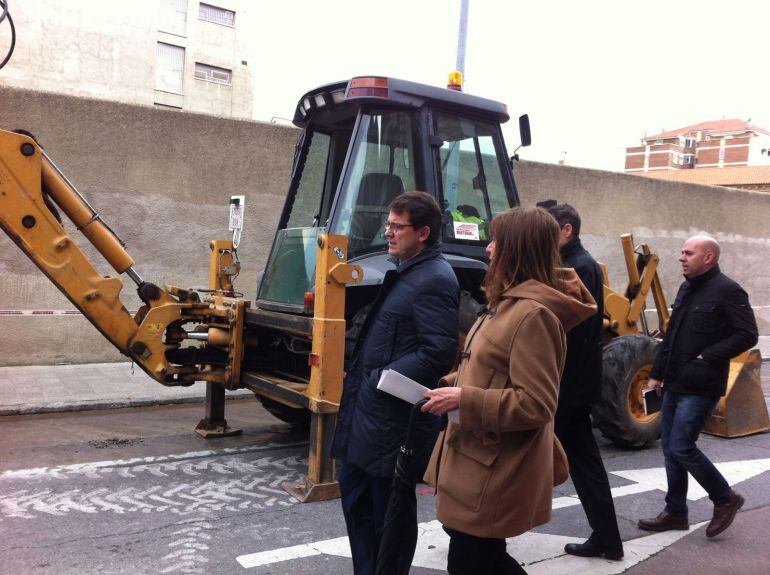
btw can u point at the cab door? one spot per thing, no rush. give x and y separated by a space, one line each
474 177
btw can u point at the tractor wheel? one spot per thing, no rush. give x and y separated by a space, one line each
627 362
297 417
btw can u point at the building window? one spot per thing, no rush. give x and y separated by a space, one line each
173 16
688 160
213 74
169 68
215 14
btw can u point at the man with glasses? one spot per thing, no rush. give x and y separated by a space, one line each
412 328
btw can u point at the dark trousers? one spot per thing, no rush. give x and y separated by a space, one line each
364 503
586 468
684 416
471 555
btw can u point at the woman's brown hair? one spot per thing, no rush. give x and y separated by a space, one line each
526 248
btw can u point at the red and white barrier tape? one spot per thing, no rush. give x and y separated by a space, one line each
43 312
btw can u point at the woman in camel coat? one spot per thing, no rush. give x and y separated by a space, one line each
494 471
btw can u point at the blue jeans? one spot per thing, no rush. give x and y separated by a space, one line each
684 416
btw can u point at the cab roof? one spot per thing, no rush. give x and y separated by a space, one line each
333 103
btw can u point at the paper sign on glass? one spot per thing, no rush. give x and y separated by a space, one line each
402 387
466 231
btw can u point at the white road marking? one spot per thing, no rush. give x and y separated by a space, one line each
89 469
186 552
635 551
241 482
542 553
733 471
655 478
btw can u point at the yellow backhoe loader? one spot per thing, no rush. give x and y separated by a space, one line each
362 142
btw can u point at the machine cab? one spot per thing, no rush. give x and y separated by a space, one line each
363 143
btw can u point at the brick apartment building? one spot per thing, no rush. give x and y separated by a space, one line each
716 144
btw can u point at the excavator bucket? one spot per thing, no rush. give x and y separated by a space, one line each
742 410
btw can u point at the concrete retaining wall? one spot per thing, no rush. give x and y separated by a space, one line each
162 180
663 214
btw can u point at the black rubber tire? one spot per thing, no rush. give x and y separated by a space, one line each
297 417
623 359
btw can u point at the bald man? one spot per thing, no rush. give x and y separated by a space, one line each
711 323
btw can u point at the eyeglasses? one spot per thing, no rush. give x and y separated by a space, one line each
396 227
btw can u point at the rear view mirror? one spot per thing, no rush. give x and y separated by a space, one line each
524 132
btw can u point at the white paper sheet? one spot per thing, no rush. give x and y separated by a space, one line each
402 387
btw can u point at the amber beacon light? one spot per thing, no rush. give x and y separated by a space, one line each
455 81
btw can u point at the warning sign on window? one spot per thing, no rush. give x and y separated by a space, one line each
466 231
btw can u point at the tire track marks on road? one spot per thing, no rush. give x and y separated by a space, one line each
186 551
93 469
231 483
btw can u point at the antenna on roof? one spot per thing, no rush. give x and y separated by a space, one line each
462 37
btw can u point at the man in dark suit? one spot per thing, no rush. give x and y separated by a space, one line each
412 328
712 322
580 387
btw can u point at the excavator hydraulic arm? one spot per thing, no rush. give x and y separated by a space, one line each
623 313
31 189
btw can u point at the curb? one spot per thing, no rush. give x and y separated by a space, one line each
62 407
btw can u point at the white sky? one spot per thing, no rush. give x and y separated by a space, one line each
593 75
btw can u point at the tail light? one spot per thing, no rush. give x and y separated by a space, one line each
371 87
309 304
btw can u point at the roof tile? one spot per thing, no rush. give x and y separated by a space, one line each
731 125
728 176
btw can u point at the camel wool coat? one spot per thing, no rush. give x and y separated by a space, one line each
493 472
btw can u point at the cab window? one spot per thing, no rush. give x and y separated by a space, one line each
305 210
473 186
381 166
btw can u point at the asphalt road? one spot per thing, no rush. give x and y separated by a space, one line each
136 491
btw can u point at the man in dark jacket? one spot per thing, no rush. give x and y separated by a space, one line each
711 323
580 387
412 328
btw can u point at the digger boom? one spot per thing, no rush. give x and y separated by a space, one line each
30 185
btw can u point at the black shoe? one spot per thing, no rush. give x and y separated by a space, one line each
591 549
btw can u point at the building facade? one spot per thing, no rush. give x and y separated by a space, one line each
716 144
181 54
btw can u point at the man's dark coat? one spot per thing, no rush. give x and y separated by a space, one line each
412 328
712 318
581 381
